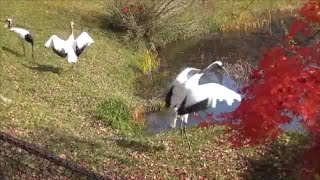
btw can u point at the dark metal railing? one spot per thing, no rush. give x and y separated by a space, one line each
22 160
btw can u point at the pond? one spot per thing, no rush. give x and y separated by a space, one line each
198 52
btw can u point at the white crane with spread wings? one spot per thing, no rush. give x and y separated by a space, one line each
70 48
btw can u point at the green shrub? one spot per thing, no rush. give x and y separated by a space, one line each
158 21
114 112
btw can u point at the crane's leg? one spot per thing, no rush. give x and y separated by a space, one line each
72 69
184 121
32 52
24 49
181 125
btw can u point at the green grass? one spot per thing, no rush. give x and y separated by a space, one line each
248 15
56 107
115 113
47 91
52 104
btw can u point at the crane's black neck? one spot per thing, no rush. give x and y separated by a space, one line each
9 24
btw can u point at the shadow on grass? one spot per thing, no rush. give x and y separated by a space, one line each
1 173
135 68
56 139
279 160
45 68
13 52
138 145
121 159
72 141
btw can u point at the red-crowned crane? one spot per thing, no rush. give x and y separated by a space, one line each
70 48
23 34
188 94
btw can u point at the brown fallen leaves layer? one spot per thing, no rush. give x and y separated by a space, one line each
211 157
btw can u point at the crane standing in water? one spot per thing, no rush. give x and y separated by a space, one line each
188 94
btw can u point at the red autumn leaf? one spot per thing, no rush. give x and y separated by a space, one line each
125 9
305 52
299 25
210 118
141 8
310 11
203 124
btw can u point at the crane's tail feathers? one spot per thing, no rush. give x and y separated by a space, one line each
71 57
72 61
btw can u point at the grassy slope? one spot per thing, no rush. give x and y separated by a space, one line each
56 109
246 15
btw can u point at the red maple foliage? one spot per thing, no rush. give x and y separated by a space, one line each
133 8
285 86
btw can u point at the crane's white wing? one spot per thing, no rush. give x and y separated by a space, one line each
62 48
84 40
213 92
55 42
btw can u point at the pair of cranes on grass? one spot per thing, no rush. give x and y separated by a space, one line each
187 93
69 49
